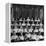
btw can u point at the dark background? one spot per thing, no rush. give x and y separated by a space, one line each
24 11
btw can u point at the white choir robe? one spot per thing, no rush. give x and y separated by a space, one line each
34 36
41 37
14 37
20 30
28 19
41 24
37 37
28 35
23 24
28 24
41 30
36 30
16 30
21 37
19 24
20 19
32 19
37 24
33 24
36 20
25 30
30 30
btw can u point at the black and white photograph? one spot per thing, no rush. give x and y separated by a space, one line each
22 22
27 22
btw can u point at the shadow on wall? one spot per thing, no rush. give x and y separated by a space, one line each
7 24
